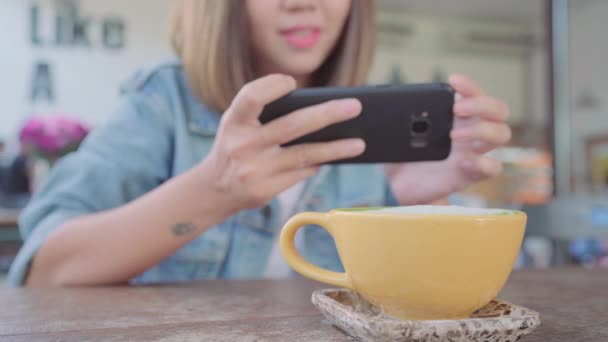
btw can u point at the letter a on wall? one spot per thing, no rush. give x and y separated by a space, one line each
42 83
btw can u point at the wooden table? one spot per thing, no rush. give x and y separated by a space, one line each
573 304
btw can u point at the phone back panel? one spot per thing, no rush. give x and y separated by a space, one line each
399 123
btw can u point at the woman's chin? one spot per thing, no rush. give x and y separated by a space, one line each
300 70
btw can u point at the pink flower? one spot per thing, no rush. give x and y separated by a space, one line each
53 134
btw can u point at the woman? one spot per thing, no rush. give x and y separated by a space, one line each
172 190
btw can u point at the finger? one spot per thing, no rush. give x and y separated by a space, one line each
308 120
251 99
479 147
313 154
481 167
284 181
486 132
465 86
485 107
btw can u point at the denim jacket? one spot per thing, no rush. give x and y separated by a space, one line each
158 131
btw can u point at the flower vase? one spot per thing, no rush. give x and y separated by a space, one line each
40 169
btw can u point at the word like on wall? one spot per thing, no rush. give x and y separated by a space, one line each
67 28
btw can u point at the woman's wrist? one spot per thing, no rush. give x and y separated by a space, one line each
209 202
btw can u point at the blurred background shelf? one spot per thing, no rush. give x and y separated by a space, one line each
10 240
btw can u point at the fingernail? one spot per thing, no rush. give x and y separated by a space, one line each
464 108
290 80
356 147
467 165
351 106
453 78
461 133
477 145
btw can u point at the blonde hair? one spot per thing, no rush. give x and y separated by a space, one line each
211 39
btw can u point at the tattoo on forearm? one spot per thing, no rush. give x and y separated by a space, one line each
181 229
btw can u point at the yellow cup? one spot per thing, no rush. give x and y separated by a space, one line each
416 266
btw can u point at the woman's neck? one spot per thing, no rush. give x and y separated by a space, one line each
302 81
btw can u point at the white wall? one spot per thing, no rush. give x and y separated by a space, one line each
86 80
503 71
589 71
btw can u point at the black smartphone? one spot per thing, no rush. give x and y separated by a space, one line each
399 123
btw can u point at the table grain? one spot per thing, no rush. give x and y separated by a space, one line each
573 304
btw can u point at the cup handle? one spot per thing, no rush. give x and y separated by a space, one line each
295 260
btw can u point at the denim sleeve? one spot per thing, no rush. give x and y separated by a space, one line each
120 161
389 197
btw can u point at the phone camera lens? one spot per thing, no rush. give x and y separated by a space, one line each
420 127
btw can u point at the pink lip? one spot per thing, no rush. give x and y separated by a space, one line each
295 39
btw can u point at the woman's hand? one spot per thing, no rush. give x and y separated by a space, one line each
247 163
479 127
